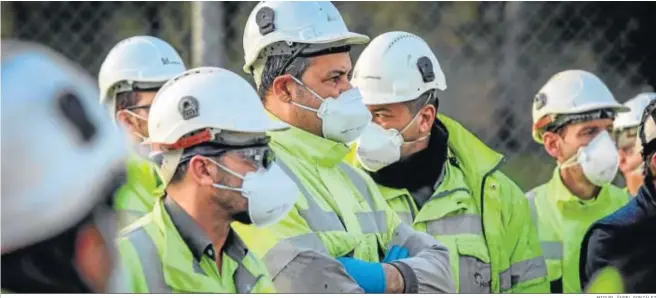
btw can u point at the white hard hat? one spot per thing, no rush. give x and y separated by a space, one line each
207 97
59 147
633 117
570 92
199 99
305 22
138 62
397 67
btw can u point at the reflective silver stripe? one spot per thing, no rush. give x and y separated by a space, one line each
245 281
371 222
131 213
150 261
531 204
523 271
406 217
318 219
287 249
243 278
453 225
359 183
380 217
552 250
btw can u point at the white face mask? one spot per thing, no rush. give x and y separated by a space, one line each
599 160
343 118
378 147
270 193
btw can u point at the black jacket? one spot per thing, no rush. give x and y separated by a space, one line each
625 240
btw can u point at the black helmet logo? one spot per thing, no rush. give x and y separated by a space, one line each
188 107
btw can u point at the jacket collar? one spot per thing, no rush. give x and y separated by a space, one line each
309 147
463 143
558 192
189 231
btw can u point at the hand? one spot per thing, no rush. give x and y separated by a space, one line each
396 253
369 275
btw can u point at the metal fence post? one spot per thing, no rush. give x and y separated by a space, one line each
207 34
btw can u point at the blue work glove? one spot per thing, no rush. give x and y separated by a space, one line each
369 275
396 253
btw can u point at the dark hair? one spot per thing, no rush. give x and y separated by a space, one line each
647 145
414 106
274 67
180 172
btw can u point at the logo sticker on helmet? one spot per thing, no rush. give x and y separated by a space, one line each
540 101
188 107
166 61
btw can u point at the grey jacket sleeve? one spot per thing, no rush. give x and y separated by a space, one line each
312 272
428 269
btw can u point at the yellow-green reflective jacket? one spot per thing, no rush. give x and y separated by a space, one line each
497 252
339 212
136 197
157 260
562 221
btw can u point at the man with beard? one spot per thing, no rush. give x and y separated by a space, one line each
216 165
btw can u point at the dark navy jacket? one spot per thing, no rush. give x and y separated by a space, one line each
625 240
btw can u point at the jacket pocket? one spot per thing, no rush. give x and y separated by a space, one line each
475 272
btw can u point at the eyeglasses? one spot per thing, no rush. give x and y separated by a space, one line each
137 107
261 156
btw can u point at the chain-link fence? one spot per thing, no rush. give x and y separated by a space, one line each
495 55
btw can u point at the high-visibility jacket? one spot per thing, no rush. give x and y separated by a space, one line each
142 187
157 260
562 221
339 212
497 252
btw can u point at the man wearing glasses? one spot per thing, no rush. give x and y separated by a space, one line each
129 78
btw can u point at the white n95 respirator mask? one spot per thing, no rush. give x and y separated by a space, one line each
599 160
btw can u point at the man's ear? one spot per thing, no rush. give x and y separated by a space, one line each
551 144
198 170
283 87
427 115
125 119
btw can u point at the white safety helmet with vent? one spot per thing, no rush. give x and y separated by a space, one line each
637 106
205 98
293 22
397 67
138 62
570 92
59 147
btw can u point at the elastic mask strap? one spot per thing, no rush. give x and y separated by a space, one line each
308 89
142 118
305 107
143 138
570 162
231 172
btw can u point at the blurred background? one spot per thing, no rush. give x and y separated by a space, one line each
496 55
